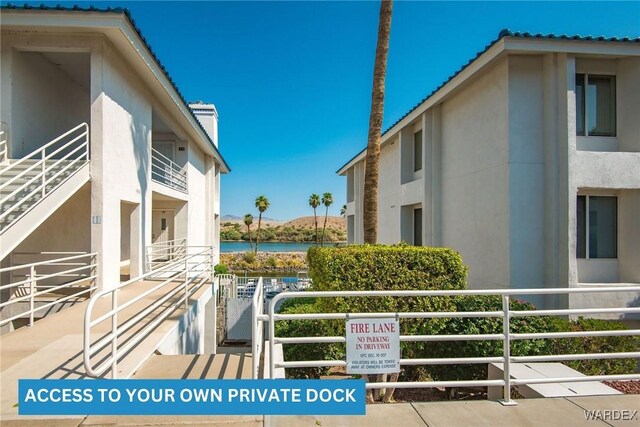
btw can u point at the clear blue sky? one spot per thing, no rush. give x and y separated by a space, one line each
292 80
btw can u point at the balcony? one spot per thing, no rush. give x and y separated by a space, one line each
166 172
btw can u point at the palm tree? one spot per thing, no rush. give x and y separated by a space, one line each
327 200
314 202
248 220
370 211
343 210
370 207
262 203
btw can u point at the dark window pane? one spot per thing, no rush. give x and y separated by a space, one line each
417 227
580 104
603 227
417 151
601 105
581 245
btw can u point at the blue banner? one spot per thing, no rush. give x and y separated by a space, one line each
191 397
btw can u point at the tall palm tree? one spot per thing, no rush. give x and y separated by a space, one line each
370 208
262 203
248 220
327 200
343 210
370 211
314 202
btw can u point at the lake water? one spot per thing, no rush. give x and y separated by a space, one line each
266 246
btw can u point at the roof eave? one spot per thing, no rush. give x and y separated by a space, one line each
103 21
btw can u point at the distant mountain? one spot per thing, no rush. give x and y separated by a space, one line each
232 218
336 222
229 218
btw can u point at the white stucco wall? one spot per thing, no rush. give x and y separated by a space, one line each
45 101
527 198
475 177
389 194
66 230
120 164
355 230
628 93
197 208
629 238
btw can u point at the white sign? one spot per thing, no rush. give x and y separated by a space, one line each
373 346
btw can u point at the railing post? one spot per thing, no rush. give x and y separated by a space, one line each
506 352
114 331
32 291
186 280
44 173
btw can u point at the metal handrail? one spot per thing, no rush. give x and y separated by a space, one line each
506 314
158 254
193 275
33 278
77 150
170 175
4 141
257 327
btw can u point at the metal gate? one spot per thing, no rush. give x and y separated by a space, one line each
238 296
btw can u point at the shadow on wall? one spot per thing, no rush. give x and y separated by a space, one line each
142 155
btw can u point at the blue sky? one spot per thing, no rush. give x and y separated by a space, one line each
292 80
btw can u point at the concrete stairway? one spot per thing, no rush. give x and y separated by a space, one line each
61 182
52 348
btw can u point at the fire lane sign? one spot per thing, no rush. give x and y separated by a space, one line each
373 346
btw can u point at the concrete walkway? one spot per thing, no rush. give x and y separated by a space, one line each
561 412
52 348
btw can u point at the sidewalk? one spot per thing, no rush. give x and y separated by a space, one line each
561 412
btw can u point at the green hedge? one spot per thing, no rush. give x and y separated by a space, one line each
305 328
597 345
220 269
377 267
529 324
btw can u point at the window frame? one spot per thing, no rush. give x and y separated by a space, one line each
586 227
584 111
417 159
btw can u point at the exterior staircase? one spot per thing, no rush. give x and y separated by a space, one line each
33 187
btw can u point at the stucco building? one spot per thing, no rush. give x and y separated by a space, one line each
526 161
137 164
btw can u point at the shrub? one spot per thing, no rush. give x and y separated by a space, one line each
220 269
272 262
485 348
598 345
528 324
378 267
305 328
249 257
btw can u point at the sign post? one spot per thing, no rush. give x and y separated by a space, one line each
373 346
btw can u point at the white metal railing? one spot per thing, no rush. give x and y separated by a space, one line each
244 287
186 276
77 271
4 142
162 253
165 171
41 169
257 328
507 337
226 286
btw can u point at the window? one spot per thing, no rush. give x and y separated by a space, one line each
417 151
595 105
597 222
417 227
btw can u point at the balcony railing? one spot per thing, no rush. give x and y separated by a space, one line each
166 172
4 142
45 285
